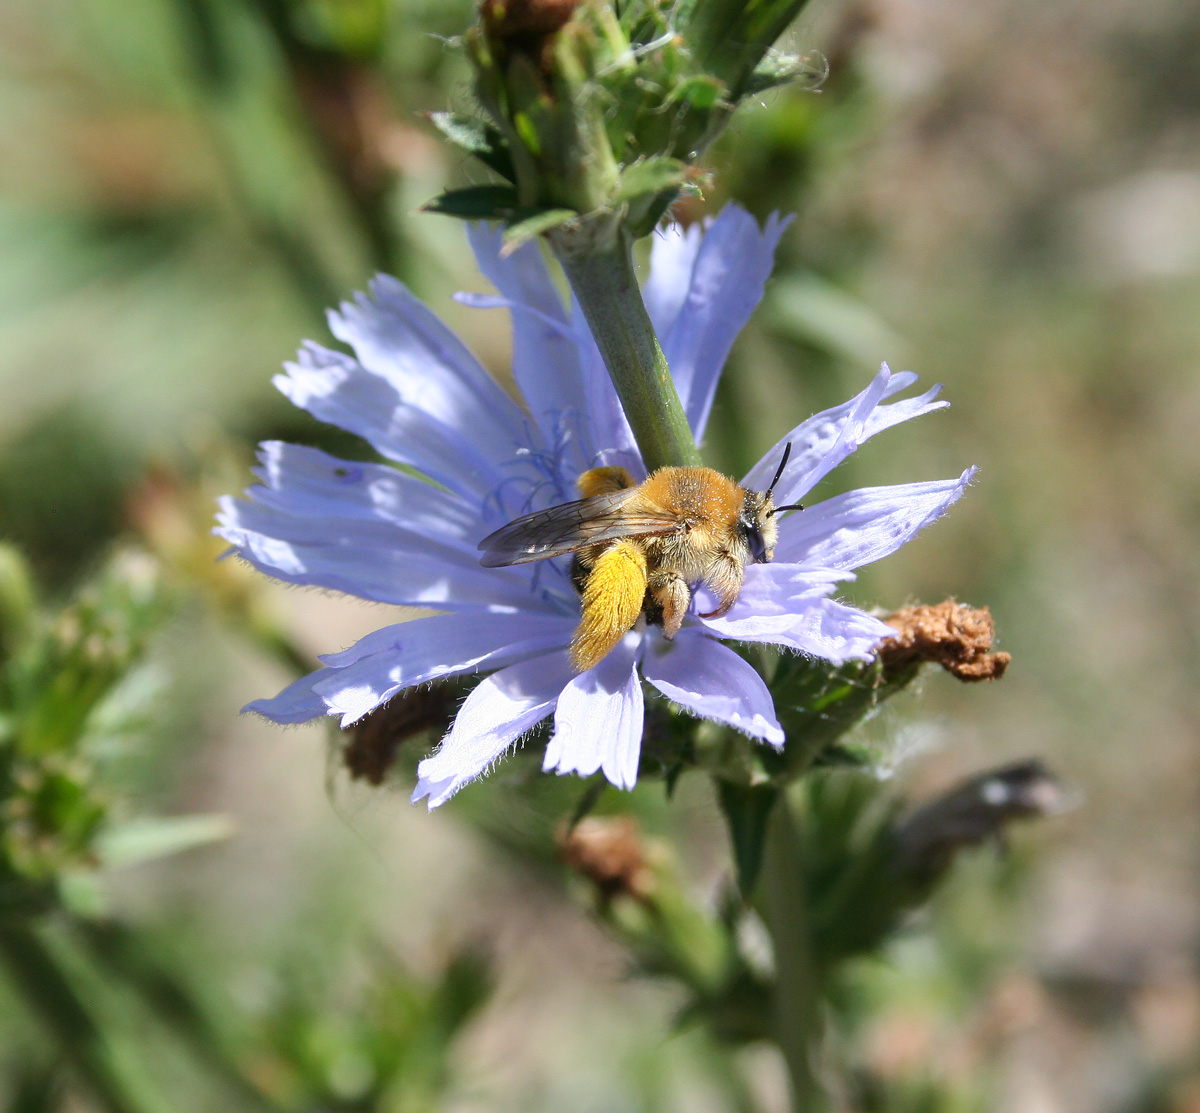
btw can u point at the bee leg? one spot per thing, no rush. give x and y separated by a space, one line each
724 576
613 591
670 593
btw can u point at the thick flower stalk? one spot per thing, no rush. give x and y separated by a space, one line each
415 393
597 116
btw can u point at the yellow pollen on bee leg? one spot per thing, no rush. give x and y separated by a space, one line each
612 601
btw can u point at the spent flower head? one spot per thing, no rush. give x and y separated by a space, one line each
415 393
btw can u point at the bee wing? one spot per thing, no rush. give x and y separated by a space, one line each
571 526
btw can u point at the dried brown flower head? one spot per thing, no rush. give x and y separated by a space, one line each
373 743
953 635
610 854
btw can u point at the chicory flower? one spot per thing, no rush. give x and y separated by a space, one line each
414 392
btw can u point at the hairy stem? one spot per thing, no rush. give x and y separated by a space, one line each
604 281
797 982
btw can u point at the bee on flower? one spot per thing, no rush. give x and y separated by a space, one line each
499 468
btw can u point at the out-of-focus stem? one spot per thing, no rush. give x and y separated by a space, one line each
797 982
605 283
123 955
321 74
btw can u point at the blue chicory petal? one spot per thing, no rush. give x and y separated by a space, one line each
598 720
336 389
297 703
673 250
726 282
786 604
712 682
602 408
865 525
545 361
397 338
818 627
373 560
407 654
498 711
826 439
306 482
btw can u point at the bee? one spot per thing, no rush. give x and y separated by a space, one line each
643 547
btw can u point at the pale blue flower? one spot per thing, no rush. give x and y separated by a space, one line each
415 393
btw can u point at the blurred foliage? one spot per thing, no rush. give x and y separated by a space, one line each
77 691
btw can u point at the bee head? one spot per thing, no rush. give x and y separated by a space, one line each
757 524
757 518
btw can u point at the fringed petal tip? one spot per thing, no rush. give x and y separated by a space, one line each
437 792
297 703
500 709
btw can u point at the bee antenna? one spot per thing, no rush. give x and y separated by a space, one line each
792 506
787 451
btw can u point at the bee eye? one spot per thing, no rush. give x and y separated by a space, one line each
758 547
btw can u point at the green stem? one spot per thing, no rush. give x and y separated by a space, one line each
605 283
51 995
798 1024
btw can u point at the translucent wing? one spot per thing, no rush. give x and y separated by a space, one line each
574 525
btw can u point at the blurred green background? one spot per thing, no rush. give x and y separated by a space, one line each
1003 196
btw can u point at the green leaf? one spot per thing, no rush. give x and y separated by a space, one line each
18 600
478 138
145 839
490 202
533 226
747 809
651 176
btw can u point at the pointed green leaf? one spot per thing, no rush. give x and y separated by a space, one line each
533 226
478 138
144 839
490 202
747 809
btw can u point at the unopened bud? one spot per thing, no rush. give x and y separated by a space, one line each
599 111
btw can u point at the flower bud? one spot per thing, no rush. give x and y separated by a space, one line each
598 118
